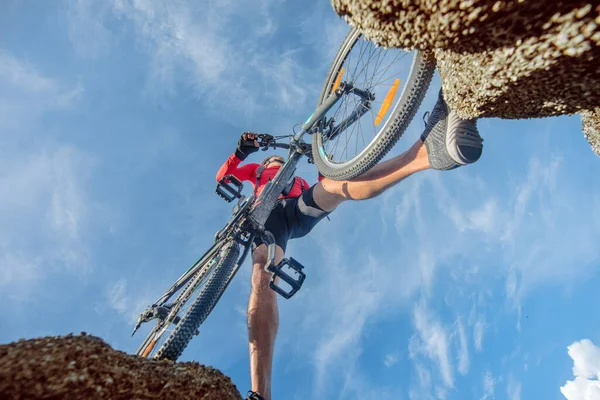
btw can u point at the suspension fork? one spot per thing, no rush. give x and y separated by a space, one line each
365 105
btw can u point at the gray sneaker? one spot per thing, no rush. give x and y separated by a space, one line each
450 140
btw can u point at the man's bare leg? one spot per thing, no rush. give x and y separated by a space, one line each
263 321
328 194
447 142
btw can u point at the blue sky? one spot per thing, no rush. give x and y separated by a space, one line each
479 283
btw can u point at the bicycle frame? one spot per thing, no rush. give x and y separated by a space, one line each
249 220
262 205
269 195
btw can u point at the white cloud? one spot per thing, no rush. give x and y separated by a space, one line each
535 233
19 78
486 218
17 270
86 28
230 63
353 308
390 360
23 75
355 385
46 198
488 386
373 277
340 316
465 219
419 259
431 340
513 388
26 94
586 357
44 202
422 390
127 300
478 331
531 214
68 202
586 369
463 349
544 218
117 296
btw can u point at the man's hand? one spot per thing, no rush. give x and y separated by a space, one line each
247 145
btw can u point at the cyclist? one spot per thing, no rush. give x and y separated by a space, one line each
447 142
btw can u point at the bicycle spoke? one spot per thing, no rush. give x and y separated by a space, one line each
378 71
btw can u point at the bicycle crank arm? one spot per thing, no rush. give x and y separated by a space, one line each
269 240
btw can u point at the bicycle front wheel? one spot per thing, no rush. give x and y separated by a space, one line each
393 83
169 340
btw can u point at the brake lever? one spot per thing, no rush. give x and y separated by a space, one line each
265 141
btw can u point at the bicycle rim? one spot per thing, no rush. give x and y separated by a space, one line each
202 305
398 81
183 301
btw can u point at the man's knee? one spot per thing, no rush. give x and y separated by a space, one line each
328 194
335 192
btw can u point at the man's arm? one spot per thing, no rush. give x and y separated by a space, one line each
246 172
246 146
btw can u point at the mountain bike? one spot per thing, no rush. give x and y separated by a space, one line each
359 117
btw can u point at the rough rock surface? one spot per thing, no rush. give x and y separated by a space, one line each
591 128
499 58
84 367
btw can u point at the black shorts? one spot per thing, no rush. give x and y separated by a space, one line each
293 218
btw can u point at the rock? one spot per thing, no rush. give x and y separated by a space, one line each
498 58
591 128
84 367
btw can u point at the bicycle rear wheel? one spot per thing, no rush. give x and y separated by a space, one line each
169 338
397 81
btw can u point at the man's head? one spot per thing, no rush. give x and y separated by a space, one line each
273 161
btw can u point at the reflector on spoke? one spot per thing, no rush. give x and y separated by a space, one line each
387 102
338 80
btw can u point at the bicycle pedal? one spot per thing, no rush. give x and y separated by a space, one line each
293 281
229 188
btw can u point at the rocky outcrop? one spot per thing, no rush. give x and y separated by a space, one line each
591 128
499 58
84 367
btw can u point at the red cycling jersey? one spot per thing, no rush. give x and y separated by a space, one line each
247 172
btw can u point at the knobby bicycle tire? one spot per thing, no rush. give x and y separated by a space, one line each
196 280
202 306
423 67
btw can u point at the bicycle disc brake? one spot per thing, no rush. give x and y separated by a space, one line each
154 312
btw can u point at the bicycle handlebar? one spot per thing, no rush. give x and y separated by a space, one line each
279 145
266 141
